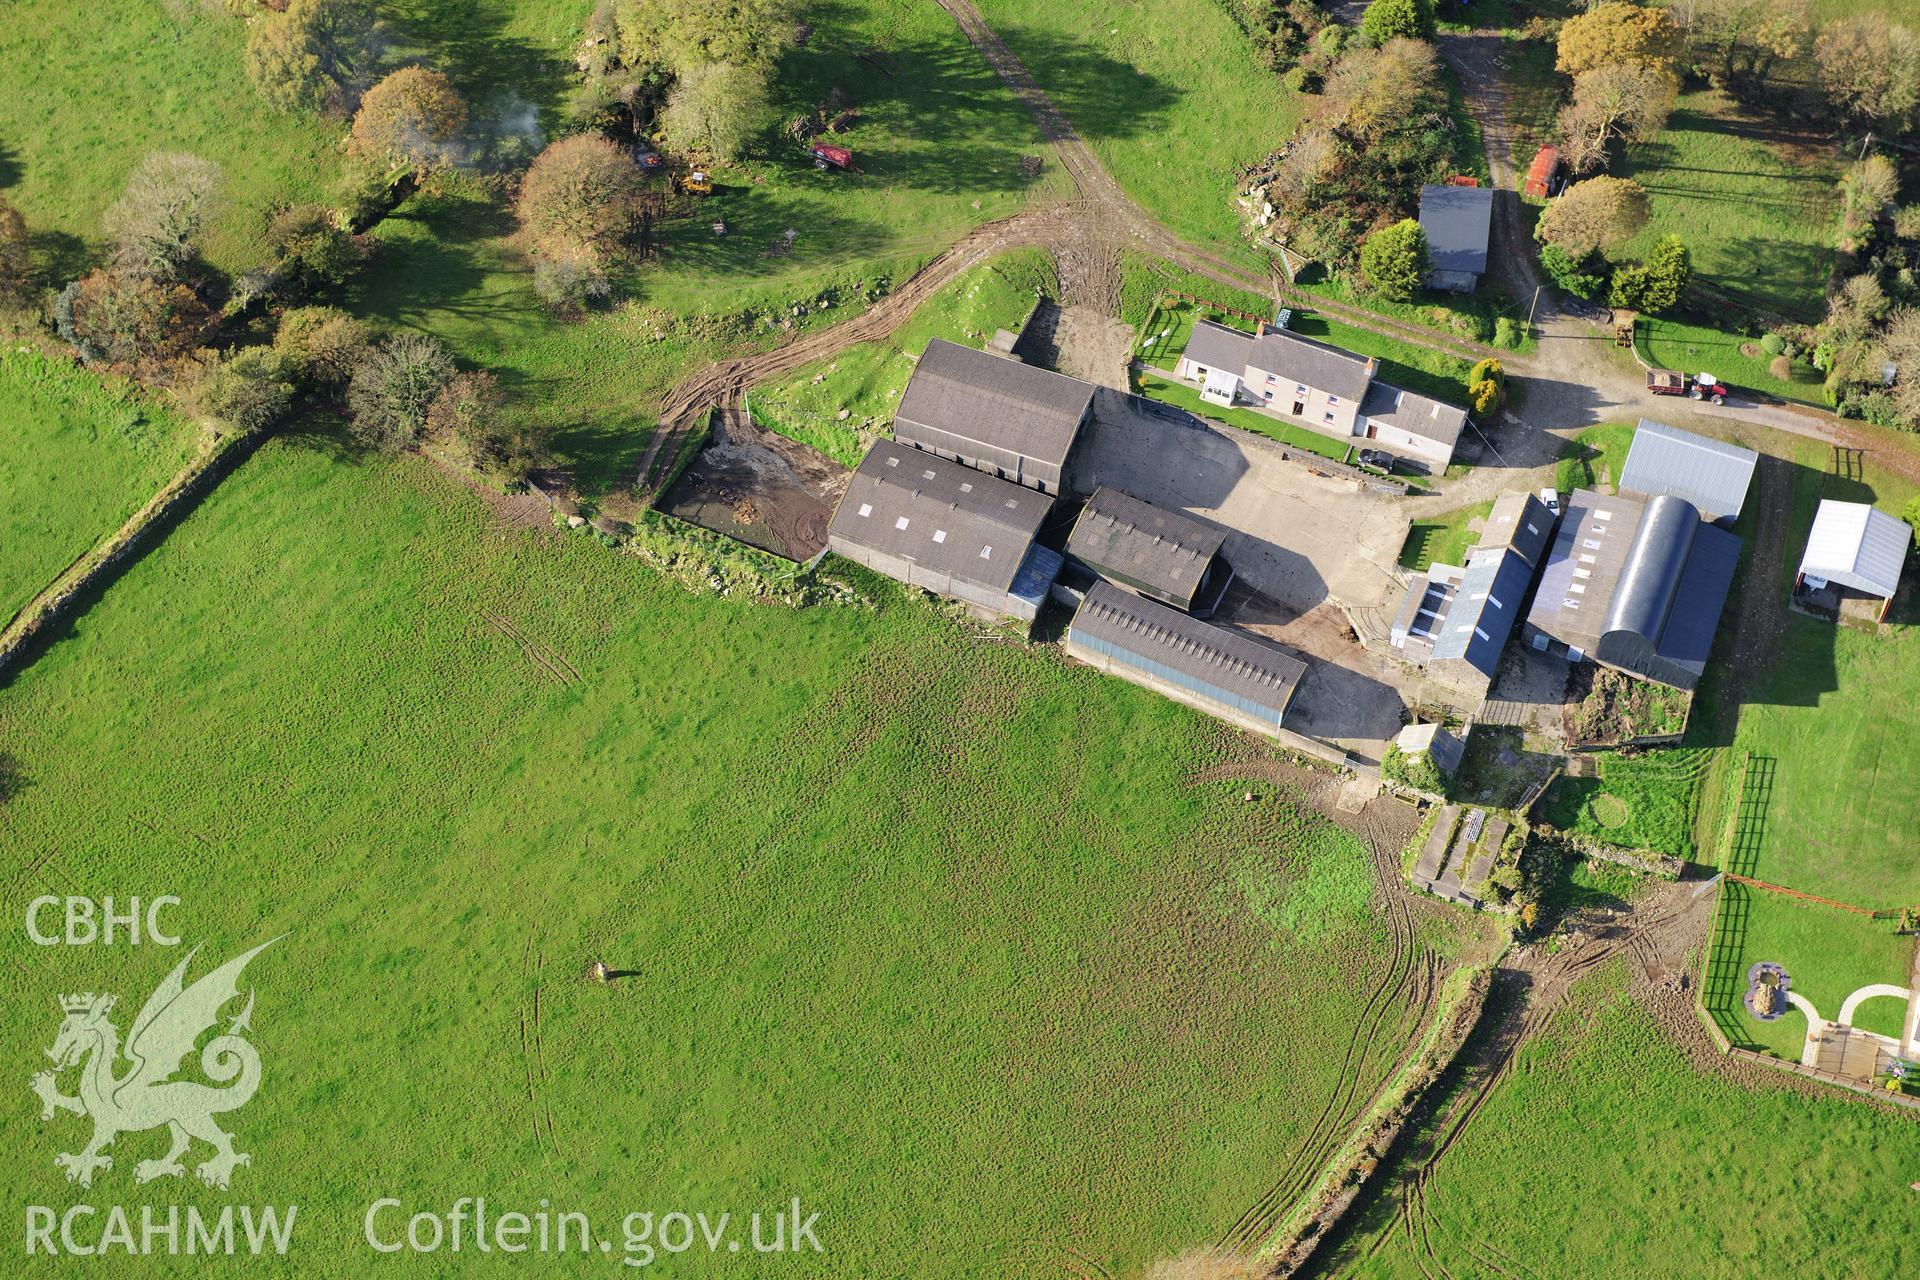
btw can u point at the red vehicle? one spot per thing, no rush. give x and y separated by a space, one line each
1671 382
826 156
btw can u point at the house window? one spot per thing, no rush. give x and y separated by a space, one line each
1300 389
1273 377
1329 416
866 508
1268 393
1540 641
1298 408
1333 399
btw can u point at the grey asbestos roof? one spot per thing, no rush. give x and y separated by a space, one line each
939 514
1458 222
1521 521
994 400
1165 552
1858 547
1485 607
1711 475
1315 364
1414 414
1228 660
1218 346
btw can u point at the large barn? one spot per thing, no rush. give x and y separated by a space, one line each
935 524
994 413
1164 555
1228 674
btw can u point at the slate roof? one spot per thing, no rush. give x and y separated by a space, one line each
976 395
1316 364
1485 607
1163 552
1521 521
1856 546
1231 661
1458 222
1665 460
1414 414
1218 346
940 514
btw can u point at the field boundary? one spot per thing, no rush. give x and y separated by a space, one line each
77 582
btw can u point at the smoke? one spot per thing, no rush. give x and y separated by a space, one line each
505 134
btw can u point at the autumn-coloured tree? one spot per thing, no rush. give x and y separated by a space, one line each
1600 214
581 199
393 386
322 345
1624 102
1615 33
131 321
410 122
1869 70
314 55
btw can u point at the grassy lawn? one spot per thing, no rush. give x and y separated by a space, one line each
78 455
1598 455
1694 348
1639 801
1444 538
866 380
1603 1105
899 932
1758 214
1167 94
1144 282
1469 316
1535 94
93 96
1182 395
1827 953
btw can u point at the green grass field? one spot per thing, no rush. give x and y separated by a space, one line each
78 455
92 97
898 935
1597 457
1639 801
1757 211
1168 95
1605 1152
1827 953
866 380
1694 348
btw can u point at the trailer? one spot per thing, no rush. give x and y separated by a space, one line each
827 156
1671 382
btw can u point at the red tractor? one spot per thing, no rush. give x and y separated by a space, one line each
827 156
1671 382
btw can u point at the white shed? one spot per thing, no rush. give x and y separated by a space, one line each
1856 547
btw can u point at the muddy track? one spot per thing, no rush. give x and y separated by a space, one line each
1408 965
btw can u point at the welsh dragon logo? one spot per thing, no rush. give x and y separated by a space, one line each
145 1095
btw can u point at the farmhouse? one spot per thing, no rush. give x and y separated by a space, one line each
1635 583
935 524
1853 551
1163 555
994 413
1228 674
1455 620
1319 386
1458 222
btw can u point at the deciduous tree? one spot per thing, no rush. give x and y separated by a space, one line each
243 392
716 108
322 345
132 321
410 122
313 251
1902 348
155 224
581 199
1597 215
1869 70
315 55
1624 102
1615 33
1658 284
393 386
683 34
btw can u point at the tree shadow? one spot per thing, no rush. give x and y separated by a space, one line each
514 87
13 779
10 168
57 256
756 242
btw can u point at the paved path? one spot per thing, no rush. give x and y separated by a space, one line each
1816 1028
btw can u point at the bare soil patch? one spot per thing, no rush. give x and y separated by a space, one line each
765 490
